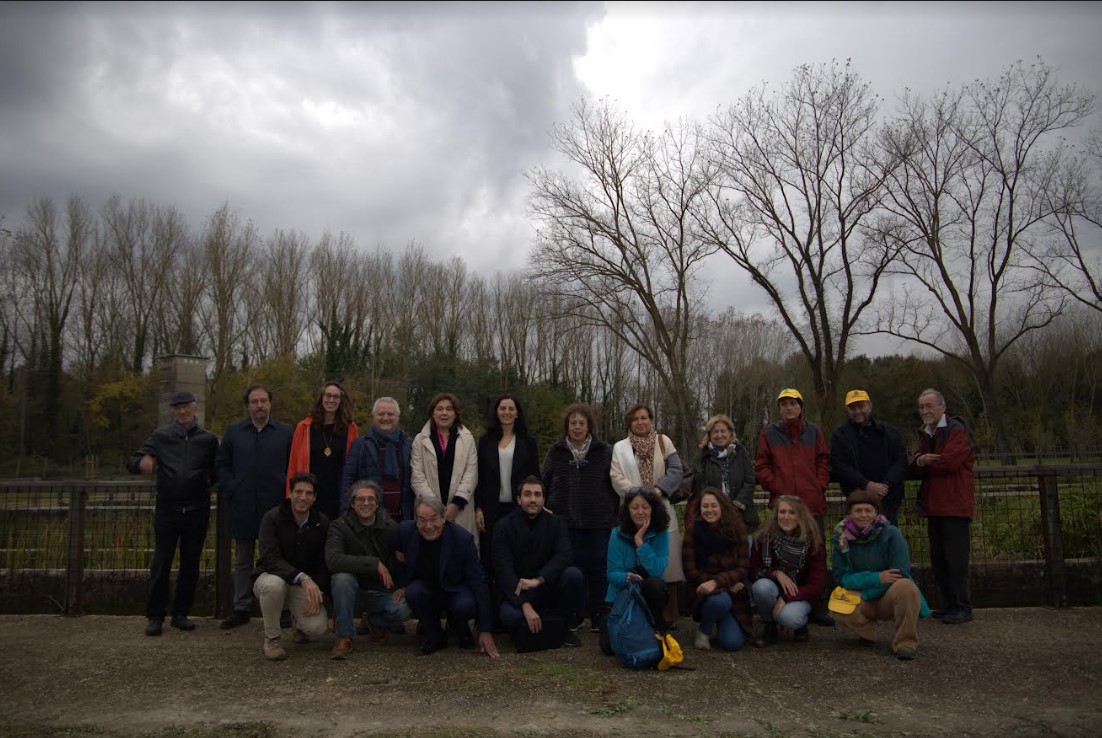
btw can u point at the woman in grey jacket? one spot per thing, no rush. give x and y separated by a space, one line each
725 464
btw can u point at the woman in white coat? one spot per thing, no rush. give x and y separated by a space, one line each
444 462
648 459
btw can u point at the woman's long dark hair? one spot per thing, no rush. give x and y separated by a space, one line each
659 518
344 414
493 424
730 523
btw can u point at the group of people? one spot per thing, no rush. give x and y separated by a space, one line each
437 527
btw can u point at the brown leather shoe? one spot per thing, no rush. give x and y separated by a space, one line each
378 635
299 637
341 648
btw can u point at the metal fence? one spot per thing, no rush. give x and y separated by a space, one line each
77 547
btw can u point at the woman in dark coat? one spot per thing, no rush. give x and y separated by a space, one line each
725 464
577 486
507 453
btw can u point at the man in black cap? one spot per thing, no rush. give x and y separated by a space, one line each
182 455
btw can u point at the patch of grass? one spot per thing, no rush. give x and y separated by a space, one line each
40 730
561 673
860 716
615 709
217 730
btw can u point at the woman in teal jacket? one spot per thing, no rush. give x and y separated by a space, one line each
871 557
639 549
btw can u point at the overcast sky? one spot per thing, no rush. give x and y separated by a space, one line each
417 122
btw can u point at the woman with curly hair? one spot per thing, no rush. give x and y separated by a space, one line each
715 557
789 570
639 550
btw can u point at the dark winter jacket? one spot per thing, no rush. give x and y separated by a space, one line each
793 459
708 472
460 569
363 462
252 471
286 550
526 461
853 471
525 549
185 463
948 485
582 492
354 548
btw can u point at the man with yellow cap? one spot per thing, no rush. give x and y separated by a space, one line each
793 459
868 454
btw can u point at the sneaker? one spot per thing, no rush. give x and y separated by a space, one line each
571 639
956 617
274 650
156 625
595 623
702 641
181 622
801 635
903 653
341 648
236 618
300 637
938 614
768 636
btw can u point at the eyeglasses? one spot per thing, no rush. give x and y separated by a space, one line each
428 521
330 396
365 501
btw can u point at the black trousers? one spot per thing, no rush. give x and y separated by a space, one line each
174 524
950 546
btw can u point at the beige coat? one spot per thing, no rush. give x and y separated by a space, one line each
425 477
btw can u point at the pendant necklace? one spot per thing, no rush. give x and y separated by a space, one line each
328 451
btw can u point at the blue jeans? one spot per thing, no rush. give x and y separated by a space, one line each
349 598
716 611
590 547
792 616
566 597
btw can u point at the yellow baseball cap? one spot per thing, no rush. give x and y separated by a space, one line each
791 392
843 601
857 396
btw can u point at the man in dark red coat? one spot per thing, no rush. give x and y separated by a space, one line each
793 459
943 461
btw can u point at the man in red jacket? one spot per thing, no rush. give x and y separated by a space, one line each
793 459
943 461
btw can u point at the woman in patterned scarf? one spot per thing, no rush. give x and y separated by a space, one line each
789 567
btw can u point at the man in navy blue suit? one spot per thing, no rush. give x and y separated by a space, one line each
441 573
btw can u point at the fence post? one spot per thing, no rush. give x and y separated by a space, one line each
74 558
223 569
1054 540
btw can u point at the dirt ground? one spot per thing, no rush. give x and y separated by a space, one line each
1011 672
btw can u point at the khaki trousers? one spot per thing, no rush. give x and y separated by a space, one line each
900 603
273 592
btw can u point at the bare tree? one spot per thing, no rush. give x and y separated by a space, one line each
146 241
228 248
282 321
617 246
798 177
969 202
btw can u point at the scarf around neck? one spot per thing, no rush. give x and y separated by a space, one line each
388 444
784 552
579 452
847 532
643 446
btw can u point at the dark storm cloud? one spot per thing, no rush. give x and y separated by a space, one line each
392 122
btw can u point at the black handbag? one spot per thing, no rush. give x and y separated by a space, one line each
550 636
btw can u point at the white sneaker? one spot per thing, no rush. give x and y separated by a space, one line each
702 642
